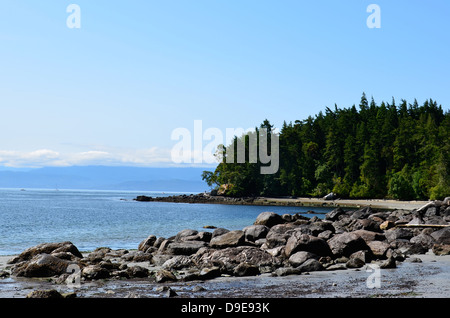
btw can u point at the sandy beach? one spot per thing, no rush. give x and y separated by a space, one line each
344 203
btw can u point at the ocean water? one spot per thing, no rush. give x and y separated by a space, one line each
91 219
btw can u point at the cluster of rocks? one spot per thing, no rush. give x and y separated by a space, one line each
278 244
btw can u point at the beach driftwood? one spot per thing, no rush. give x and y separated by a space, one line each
423 225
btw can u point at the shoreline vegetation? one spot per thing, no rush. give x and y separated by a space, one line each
388 150
207 198
273 246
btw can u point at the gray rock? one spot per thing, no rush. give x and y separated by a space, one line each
163 276
92 272
46 248
230 239
49 294
299 258
137 271
398 233
185 233
178 262
346 244
389 263
246 269
308 243
334 215
148 242
310 265
378 248
42 265
268 219
255 232
219 231
442 236
285 271
185 248
279 234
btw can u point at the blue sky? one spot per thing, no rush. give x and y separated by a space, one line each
113 91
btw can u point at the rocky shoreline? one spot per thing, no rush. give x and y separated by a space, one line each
207 198
275 245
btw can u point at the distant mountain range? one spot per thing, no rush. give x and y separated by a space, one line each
106 178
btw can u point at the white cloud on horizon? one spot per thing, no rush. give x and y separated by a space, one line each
107 157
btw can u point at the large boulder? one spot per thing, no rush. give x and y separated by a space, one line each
279 234
269 219
398 233
299 258
42 265
229 239
378 248
46 248
308 243
147 243
255 232
369 236
227 259
184 248
334 215
442 236
345 244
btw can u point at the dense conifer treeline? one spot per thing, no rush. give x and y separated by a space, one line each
366 151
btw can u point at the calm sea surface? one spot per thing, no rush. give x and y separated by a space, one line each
91 219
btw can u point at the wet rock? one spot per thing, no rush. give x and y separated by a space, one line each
246 269
163 276
94 272
42 265
137 271
285 271
389 263
209 273
49 294
170 293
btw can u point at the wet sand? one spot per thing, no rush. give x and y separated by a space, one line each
427 279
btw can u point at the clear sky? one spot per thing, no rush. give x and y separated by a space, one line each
112 91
